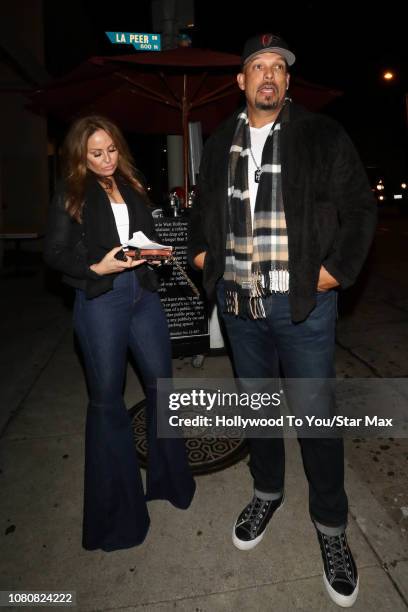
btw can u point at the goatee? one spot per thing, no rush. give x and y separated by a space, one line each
267 105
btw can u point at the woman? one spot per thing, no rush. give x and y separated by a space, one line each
98 207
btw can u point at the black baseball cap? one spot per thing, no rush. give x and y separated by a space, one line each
263 43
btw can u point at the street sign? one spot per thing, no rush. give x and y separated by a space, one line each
141 42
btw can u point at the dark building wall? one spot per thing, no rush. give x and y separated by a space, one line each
23 142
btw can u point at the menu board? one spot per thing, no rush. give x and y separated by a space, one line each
186 313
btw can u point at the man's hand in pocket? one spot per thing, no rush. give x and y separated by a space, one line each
326 280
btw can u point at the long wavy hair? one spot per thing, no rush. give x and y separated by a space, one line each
75 170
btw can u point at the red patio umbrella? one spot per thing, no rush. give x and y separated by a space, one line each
160 92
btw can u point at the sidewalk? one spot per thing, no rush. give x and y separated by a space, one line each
187 562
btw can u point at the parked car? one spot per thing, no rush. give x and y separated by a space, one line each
387 191
400 196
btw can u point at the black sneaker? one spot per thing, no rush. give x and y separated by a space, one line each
250 526
340 575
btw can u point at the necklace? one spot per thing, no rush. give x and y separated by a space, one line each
258 171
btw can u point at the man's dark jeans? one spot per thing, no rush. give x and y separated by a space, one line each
303 350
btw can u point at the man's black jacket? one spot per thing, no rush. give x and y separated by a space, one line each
329 207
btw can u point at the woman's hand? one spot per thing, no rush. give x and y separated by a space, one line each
110 265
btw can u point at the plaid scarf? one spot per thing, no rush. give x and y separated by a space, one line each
256 256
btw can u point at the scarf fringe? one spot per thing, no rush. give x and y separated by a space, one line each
248 303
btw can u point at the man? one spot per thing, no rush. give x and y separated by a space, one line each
284 216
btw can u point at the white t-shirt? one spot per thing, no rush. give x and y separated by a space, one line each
258 139
121 215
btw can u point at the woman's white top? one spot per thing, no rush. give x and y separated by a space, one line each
120 212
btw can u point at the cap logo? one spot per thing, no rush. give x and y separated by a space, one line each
266 40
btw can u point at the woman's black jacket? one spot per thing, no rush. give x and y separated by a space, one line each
72 247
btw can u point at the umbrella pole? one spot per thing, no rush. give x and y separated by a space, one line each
185 140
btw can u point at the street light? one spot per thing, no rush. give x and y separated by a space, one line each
388 75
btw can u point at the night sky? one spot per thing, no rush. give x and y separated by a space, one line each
334 47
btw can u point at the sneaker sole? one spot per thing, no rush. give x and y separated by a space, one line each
249 544
345 601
